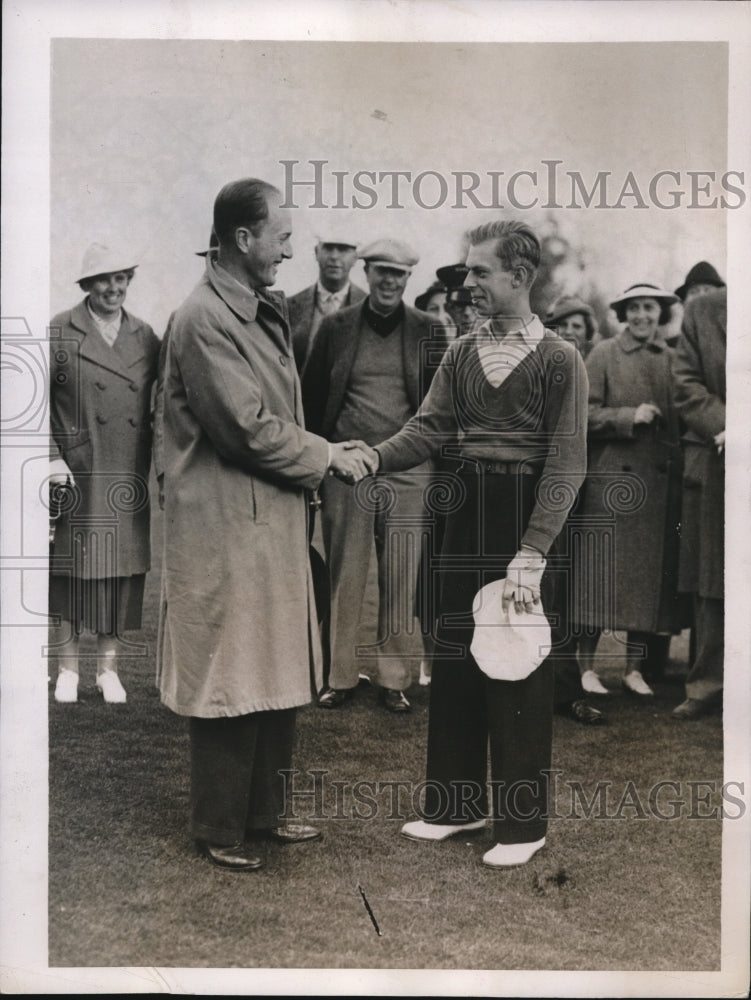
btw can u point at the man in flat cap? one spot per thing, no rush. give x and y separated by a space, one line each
335 253
366 375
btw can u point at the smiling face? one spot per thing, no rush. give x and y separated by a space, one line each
643 316
107 293
494 290
335 261
263 253
573 328
386 285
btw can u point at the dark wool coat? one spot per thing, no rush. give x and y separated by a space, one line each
100 419
700 401
630 506
238 632
301 311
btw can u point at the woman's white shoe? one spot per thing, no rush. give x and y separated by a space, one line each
592 683
511 855
634 681
418 829
66 687
109 684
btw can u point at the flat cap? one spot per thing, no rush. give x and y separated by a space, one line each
390 253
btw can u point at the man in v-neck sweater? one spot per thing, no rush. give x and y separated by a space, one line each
366 375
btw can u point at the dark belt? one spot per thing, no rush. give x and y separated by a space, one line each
478 466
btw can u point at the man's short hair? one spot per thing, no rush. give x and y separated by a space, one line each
241 203
515 244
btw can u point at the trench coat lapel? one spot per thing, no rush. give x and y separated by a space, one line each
249 307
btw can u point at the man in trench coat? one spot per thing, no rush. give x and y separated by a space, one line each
238 645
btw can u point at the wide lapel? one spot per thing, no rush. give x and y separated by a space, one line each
93 346
349 325
129 346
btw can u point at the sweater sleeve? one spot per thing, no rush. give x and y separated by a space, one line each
432 426
565 425
605 421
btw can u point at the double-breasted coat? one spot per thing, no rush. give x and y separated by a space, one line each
629 510
100 420
700 401
238 632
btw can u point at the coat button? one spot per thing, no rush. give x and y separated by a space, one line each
100 419
101 385
282 361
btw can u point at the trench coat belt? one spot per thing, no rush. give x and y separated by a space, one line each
478 466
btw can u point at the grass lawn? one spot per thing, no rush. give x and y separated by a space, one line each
620 890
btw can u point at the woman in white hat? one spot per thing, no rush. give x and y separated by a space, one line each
628 556
103 362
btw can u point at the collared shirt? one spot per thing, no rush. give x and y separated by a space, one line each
504 351
332 300
109 328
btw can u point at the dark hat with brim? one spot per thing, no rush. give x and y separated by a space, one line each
700 274
423 301
452 275
568 305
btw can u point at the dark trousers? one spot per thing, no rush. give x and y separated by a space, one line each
468 710
235 784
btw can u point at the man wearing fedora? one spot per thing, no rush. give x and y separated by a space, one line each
366 375
700 279
335 253
458 298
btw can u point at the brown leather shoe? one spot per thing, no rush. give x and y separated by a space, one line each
292 833
691 708
235 857
395 701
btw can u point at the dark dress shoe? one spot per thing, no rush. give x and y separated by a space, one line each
333 698
580 711
292 833
236 857
691 708
395 701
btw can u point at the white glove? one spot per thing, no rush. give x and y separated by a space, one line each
522 583
60 474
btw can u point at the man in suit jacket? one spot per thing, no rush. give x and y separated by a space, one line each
335 253
366 375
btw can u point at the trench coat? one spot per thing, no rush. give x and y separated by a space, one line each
100 421
700 402
629 509
238 629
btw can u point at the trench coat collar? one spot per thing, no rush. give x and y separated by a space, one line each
244 302
126 351
629 343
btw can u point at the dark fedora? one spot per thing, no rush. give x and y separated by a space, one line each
700 274
452 276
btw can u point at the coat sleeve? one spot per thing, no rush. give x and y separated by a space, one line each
702 411
226 398
605 422
158 407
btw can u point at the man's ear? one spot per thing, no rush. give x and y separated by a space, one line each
243 238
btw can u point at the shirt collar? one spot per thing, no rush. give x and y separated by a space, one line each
322 294
629 342
531 333
105 324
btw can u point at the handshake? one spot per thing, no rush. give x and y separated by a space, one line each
351 461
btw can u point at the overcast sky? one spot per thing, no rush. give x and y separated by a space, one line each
144 138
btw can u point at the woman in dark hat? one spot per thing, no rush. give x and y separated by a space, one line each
701 278
103 362
573 320
631 502
433 301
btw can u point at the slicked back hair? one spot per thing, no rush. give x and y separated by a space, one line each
515 244
241 203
